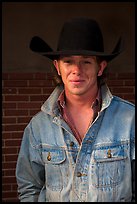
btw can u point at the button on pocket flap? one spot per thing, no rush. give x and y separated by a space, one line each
110 153
54 155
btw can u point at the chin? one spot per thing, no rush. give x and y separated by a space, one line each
77 91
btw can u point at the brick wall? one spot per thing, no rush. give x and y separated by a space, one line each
23 95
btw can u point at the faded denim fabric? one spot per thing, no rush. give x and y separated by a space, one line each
53 167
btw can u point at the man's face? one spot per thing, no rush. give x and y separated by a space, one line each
79 73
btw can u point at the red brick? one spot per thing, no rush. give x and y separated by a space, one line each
10 172
11 135
41 98
50 75
9 91
129 82
6 187
33 112
9 179
9 165
126 76
8 105
6 135
15 83
118 94
13 127
18 134
9 194
29 105
16 112
129 96
40 76
48 90
14 187
29 90
111 76
23 119
123 90
16 98
115 82
10 158
12 143
11 150
8 120
40 83
21 76
3 158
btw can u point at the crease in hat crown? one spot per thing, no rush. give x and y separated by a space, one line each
78 36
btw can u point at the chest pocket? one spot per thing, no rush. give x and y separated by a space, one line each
108 165
53 155
54 159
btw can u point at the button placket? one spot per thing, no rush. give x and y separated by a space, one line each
80 183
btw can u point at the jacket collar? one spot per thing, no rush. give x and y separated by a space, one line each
51 104
106 96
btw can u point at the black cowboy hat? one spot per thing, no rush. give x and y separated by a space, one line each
79 36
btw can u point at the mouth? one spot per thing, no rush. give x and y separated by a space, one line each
77 82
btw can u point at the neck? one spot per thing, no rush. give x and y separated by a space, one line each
81 101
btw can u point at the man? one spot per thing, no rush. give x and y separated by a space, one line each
80 146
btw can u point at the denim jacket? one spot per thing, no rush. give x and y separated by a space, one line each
53 167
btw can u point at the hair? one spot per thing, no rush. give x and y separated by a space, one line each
101 79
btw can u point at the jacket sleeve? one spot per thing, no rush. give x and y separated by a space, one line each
30 174
133 180
133 160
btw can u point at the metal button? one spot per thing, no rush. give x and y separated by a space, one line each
71 143
79 174
109 153
49 156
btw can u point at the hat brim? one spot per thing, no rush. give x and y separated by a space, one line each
40 46
55 54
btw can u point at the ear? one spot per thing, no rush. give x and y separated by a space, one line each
56 64
102 66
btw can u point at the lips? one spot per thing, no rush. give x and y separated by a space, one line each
77 81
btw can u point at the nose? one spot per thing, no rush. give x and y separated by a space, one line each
76 69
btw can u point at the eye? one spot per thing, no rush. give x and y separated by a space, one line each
87 62
67 61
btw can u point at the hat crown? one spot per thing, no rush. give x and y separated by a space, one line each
81 34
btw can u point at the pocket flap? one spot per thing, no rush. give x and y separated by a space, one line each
53 155
110 153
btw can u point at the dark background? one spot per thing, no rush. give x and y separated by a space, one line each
21 21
